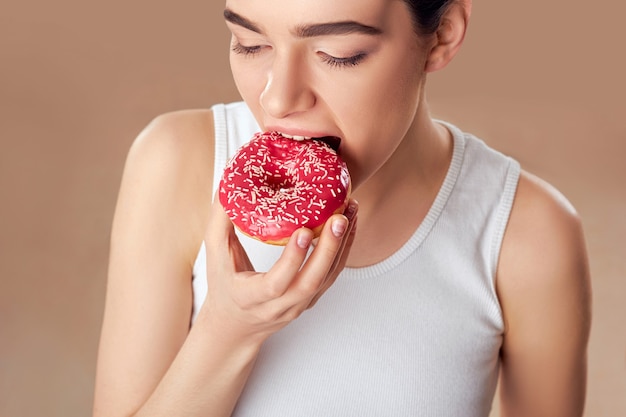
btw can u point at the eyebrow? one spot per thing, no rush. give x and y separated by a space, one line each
309 31
239 20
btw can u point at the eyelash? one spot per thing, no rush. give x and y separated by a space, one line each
330 60
351 61
245 50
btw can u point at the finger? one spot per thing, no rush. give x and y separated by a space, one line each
351 214
315 272
316 268
302 291
339 264
219 227
286 274
279 278
223 245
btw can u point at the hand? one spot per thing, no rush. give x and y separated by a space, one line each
245 303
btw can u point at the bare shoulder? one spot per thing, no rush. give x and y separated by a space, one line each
177 138
544 289
168 172
544 236
174 144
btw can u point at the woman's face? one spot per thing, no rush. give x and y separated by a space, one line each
351 69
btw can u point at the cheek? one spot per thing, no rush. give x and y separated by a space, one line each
249 82
386 92
399 86
377 111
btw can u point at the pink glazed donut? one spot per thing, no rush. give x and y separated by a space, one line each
274 185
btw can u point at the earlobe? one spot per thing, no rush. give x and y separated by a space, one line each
449 36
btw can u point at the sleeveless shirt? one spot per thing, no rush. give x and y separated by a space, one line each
417 334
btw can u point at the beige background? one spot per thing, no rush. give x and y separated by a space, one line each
543 81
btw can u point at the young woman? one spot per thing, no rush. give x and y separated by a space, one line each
464 271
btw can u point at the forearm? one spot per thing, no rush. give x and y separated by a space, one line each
207 376
241 310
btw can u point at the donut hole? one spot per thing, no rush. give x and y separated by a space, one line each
281 188
281 179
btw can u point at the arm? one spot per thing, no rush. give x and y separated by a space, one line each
242 310
150 361
544 288
148 298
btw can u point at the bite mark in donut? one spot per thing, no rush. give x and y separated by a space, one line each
274 185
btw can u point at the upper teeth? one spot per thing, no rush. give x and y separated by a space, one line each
296 137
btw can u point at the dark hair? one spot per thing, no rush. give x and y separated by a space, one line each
427 14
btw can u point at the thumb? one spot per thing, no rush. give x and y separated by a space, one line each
219 226
222 242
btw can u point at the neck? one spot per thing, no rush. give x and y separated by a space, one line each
395 200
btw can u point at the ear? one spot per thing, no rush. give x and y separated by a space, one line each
449 36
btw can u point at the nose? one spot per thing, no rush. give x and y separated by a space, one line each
287 90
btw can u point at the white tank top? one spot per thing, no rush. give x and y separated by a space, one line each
417 334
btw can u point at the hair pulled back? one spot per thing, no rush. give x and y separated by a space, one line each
427 14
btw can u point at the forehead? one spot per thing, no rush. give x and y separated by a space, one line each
274 14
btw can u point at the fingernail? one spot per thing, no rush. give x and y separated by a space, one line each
303 240
351 209
339 227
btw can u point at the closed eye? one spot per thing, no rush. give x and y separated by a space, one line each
347 62
245 50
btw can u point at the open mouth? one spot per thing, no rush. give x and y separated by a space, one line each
332 141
